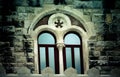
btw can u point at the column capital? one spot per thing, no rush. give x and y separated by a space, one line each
60 45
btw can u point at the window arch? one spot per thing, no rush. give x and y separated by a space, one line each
48 53
72 52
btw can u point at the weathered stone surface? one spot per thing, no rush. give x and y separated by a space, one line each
48 72
115 72
21 9
48 1
97 18
22 16
23 72
93 72
87 4
70 72
2 71
96 53
117 5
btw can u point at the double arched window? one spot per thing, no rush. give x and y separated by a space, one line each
49 54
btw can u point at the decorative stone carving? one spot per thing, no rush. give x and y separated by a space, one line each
70 72
59 20
59 23
47 72
59 45
93 72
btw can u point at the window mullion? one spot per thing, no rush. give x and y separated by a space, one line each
47 57
64 57
73 58
56 59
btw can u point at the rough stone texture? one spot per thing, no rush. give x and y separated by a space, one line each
102 52
2 71
47 72
87 4
115 72
93 72
97 18
70 72
23 72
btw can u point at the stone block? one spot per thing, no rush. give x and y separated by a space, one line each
69 1
23 72
19 49
106 69
115 72
87 11
100 43
18 44
87 4
19 32
27 23
117 4
48 1
97 4
18 38
96 53
38 10
9 29
93 72
21 9
70 72
87 18
83 4
100 11
22 16
29 9
103 58
18 2
2 71
110 43
97 18
20 59
91 43
48 72
103 62
99 29
31 16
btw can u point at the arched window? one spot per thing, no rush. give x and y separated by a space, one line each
72 54
48 53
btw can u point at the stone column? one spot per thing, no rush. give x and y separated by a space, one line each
60 48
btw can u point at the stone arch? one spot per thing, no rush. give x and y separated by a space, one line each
74 13
84 34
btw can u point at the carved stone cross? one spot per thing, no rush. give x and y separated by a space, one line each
58 23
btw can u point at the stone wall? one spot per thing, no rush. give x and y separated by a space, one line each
16 46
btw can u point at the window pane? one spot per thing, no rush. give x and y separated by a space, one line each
72 39
42 58
51 58
68 57
46 38
77 59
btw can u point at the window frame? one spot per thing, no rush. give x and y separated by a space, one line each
72 46
56 54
